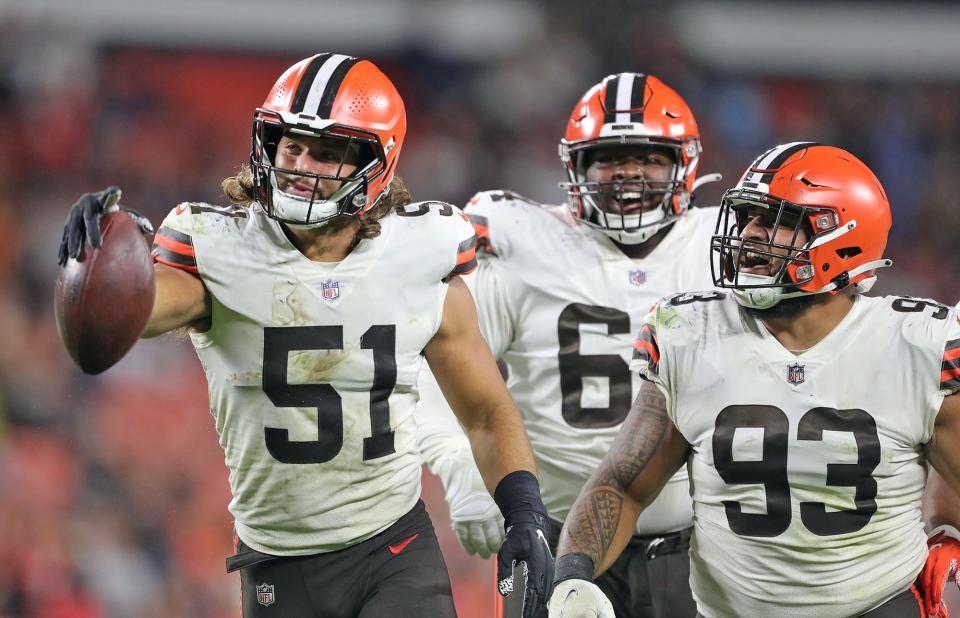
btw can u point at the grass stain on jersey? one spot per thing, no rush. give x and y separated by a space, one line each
245 378
667 316
313 366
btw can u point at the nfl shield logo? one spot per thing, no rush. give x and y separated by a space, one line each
265 594
638 277
795 374
331 289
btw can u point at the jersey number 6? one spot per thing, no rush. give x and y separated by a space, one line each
574 366
278 342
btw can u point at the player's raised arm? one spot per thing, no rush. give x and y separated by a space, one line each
468 376
646 452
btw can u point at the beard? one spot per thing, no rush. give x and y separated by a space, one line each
787 308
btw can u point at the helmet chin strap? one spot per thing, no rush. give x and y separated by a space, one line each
649 230
293 210
764 298
637 236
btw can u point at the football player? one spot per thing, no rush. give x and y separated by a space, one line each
311 302
560 291
805 412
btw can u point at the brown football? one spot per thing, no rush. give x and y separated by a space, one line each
103 299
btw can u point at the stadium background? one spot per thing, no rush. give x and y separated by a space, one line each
113 491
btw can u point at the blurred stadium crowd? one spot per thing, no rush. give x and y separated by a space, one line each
113 491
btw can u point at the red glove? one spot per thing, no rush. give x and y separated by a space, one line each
941 565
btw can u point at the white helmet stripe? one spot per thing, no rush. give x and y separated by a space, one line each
767 159
319 85
771 159
624 97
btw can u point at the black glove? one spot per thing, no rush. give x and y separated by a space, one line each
525 520
83 222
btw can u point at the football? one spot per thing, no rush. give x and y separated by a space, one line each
104 297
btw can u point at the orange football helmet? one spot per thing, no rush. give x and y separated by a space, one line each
630 108
335 97
826 192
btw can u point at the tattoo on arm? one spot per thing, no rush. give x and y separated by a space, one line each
593 522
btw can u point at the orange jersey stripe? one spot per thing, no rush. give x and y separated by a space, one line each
465 256
951 354
650 349
172 245
949 374
190 269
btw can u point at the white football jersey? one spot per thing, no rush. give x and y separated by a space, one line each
312 367
807 468
559 303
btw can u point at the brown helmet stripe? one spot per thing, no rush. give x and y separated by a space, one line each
333 86
624 98
320 83
306 82
638 99
772 160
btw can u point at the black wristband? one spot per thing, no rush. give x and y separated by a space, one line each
573 566
516 492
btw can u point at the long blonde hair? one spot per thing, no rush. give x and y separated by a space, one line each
239 190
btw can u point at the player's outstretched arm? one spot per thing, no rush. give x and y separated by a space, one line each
943 508
181 300
465 369
646 452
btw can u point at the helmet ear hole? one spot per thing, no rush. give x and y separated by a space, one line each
848 252
272 134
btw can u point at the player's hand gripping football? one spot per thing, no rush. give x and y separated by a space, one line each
941 567
578 598
83 222
526 545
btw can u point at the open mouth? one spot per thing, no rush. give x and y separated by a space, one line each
755 263
635 201
631 200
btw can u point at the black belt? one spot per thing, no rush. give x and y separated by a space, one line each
651 546
657 544
246 557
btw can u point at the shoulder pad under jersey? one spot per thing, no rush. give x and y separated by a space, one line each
449 227
492 214
173 243
935 327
